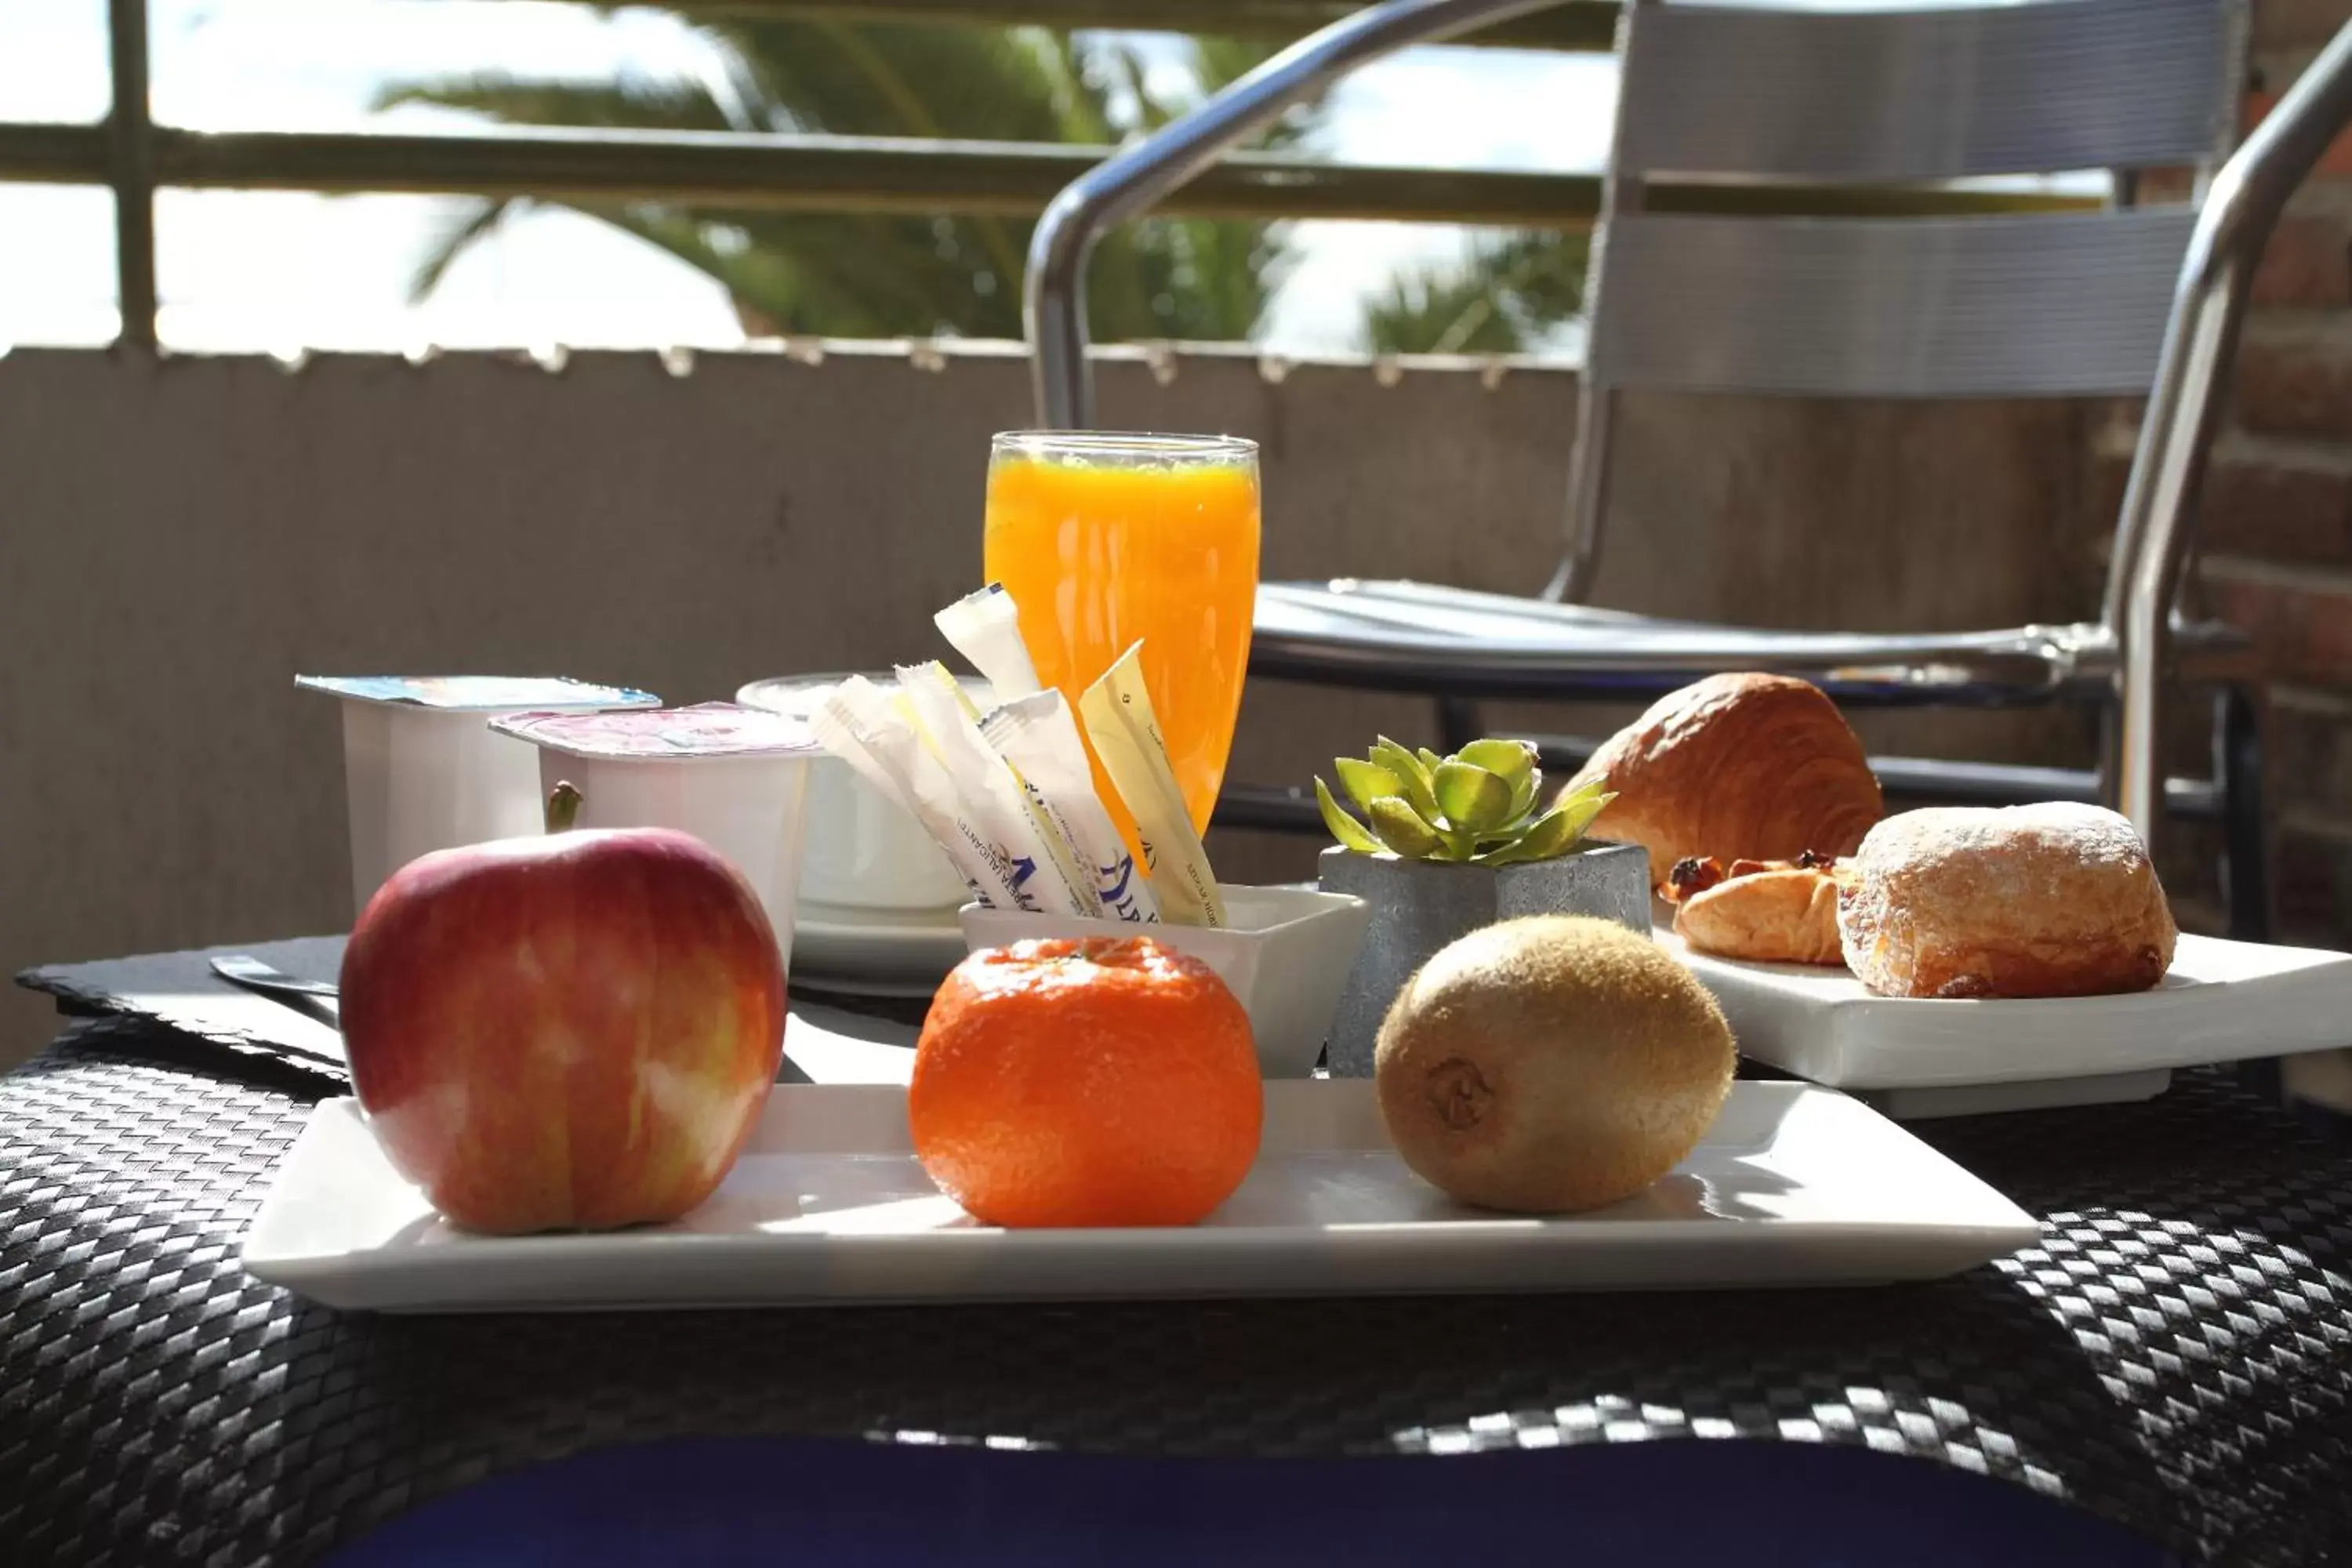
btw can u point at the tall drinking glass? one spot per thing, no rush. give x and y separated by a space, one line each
1105 539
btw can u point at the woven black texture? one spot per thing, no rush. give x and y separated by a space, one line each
2177 1355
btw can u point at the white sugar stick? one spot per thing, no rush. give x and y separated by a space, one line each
1047 876
1039 736
858 722
985 627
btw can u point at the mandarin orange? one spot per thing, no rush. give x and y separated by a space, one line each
1103 1081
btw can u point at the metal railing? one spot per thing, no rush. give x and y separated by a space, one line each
133 156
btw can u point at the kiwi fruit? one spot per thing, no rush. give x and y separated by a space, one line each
1550 1064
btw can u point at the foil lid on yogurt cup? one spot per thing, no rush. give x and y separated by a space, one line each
664 734
480 693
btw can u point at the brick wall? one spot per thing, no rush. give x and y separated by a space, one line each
2277 522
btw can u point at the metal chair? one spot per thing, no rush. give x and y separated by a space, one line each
2099 302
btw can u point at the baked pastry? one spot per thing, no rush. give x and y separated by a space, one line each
1777 911
2058 899
1746 767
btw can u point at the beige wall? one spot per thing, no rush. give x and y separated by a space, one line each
178 539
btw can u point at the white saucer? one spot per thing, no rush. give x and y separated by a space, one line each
874 952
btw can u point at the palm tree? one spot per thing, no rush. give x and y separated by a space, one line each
875 276
1508 293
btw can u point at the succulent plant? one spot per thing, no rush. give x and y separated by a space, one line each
1476 806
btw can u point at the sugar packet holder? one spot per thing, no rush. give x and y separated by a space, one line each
1041 867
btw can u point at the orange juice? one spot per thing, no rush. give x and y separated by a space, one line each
1105 540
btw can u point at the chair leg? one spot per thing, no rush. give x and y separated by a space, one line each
2245 858
1457 723
2238 769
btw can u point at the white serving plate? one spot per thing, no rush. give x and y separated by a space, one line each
1794 1186
2223 1001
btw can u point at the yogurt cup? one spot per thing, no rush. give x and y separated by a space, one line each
733 776
865 853
424 770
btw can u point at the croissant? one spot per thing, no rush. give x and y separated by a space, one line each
1772 912
1760 767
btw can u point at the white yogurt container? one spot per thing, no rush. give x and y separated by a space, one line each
735 777
424 770
865 853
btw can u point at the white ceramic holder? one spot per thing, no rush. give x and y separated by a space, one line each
1286 955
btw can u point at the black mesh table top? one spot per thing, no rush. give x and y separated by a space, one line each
2175 1356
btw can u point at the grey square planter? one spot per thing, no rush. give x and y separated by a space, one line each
1420 906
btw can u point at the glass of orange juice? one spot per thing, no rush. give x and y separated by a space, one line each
1104 540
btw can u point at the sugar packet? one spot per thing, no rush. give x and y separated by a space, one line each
1039 736
1126 735
859 722
985 627
1048 877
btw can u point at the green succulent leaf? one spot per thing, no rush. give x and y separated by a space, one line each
1345 828
1511 761
1590 789
1475 799
1550 833
1554 834
1397 759
1581 810
1541 842
1478 807
1403 829
1413 779
1366 782
1523 794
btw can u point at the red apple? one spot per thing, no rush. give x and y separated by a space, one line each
569 1032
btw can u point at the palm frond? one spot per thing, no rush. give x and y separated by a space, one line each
466 225
863 275
915 119
631 102
1501 299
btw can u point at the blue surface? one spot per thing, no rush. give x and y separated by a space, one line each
689 1503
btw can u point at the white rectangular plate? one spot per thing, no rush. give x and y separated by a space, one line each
2222 1001
1794 1186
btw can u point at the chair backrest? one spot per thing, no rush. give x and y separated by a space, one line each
2016 304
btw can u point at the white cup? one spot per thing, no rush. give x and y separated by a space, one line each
418 777
749 809
865 853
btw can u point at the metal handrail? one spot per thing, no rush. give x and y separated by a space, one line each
1575 26
1127 184
900 174
2152 534
772 172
